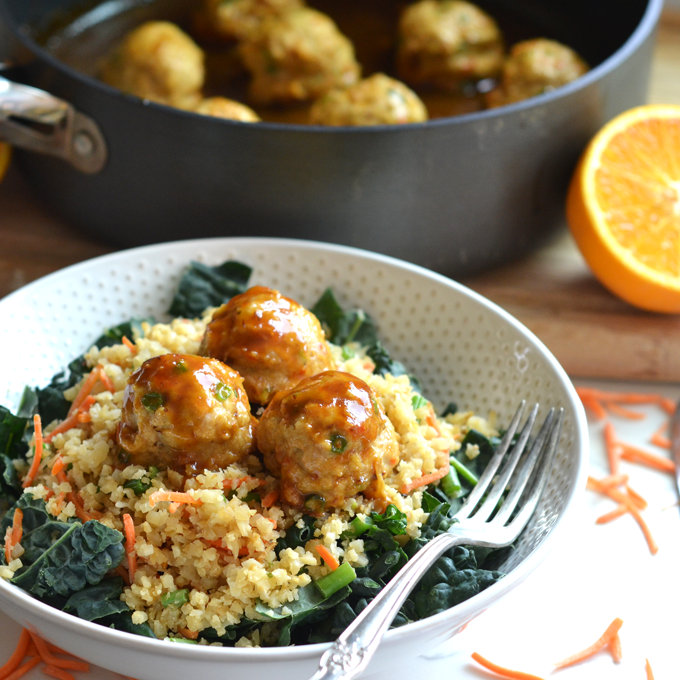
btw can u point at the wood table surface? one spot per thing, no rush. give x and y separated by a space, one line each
592 333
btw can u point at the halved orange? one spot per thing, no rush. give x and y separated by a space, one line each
623 207
5 155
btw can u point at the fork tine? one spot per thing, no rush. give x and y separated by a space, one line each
540 478
501 483
523 475
478 491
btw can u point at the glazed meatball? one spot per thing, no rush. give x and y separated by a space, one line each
238 19
221 107
271 340
185 412
298 57
448 43
158 61
327 439
534 67
378 100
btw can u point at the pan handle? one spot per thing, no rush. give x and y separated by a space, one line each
34 120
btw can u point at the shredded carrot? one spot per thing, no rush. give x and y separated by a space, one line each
660 441
130 345
594 406
610 516
613 448
648 669
189 634
72 420
637 498
636 455
32 649
17 530
130 538
627 398
174 507
58 504
58 465
614 480
85 390
8 545
599 644
618 410
106 381
57 672
22 670
77 501
123 573
270 498
51 660
617 495
503 672
424 480
37 456
327 557
17 656
173 496
615 648
238 481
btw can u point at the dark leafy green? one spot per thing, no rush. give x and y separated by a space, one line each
63 558
98 601
142 485
296 536
130 329
12 447
203 286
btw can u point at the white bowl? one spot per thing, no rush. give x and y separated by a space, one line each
462 347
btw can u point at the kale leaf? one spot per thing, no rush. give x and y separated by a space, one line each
296 536
203 286
131 330
63 558
12 447
98 601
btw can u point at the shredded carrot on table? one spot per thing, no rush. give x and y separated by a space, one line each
52 660
615 648
648 670
623 412
424 480
130 538
106 381
594 406
619 496
327 557
56 672
503 672
129 344
173 496
626 398
660 441
17 656
635 455
613 448
22 670
37 456
614 480
600 643
637 498
610 516
85 390
270 498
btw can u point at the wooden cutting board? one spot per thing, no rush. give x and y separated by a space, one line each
592 333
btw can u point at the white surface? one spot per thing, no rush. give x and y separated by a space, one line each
460 345
599 573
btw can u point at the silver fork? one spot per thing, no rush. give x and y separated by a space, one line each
491 524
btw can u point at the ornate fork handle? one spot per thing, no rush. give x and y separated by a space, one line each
351 652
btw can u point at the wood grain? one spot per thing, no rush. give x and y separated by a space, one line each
592 333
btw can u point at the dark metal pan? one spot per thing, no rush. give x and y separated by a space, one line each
457 194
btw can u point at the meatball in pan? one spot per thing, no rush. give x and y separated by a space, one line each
378 100
187 413
298 57
271 340
327 439
448 43
238 19
159 62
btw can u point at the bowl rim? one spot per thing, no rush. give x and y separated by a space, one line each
478 602
641 32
